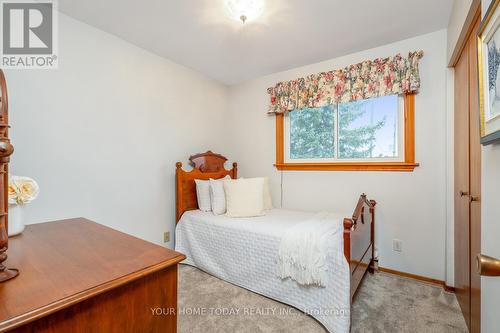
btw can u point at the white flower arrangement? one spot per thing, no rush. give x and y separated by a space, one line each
22 190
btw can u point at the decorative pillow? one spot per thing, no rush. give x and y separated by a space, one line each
218 196
203 194
244 197
268 201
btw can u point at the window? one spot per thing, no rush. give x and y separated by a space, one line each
371 134
362 130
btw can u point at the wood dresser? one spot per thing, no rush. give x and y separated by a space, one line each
79 276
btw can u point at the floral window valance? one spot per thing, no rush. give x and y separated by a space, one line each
372 78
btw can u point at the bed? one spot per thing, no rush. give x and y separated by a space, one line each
243 251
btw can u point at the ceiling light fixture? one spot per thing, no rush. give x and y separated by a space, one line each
245 10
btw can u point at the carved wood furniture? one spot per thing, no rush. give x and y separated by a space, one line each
205 166
6 149
358 230
80 276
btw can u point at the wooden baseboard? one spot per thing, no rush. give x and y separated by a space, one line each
449 289
418 278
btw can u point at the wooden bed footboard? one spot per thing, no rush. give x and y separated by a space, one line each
359 241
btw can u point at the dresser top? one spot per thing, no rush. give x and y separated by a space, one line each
64 262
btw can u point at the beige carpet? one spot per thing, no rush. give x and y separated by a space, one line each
384 303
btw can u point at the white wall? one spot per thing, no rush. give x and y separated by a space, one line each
490 230
411 206
102 133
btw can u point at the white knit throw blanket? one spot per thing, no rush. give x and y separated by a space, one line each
303 249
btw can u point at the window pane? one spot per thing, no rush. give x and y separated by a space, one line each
312 133
369 128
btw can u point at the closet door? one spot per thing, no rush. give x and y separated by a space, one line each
462 231
468 183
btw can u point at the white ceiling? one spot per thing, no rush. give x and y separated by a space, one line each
290 33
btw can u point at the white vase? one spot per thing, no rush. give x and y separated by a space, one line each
16 220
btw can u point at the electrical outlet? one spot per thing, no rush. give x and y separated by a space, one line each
166 237
397 245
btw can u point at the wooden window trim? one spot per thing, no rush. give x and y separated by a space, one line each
408 165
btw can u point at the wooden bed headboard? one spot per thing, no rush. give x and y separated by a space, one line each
205 166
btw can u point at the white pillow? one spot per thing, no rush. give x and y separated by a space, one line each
203 194
244 197
268 201
217 195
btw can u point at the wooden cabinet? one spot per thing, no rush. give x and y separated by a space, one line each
79 276
467 188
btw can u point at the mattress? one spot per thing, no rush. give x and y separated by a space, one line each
243 251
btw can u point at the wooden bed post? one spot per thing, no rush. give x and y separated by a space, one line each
235 170
348 225
178 191
371 268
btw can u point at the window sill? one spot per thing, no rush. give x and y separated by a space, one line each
348 166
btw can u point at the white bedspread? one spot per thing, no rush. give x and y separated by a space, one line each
244 251
303 249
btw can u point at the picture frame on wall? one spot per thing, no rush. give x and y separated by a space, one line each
489 74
